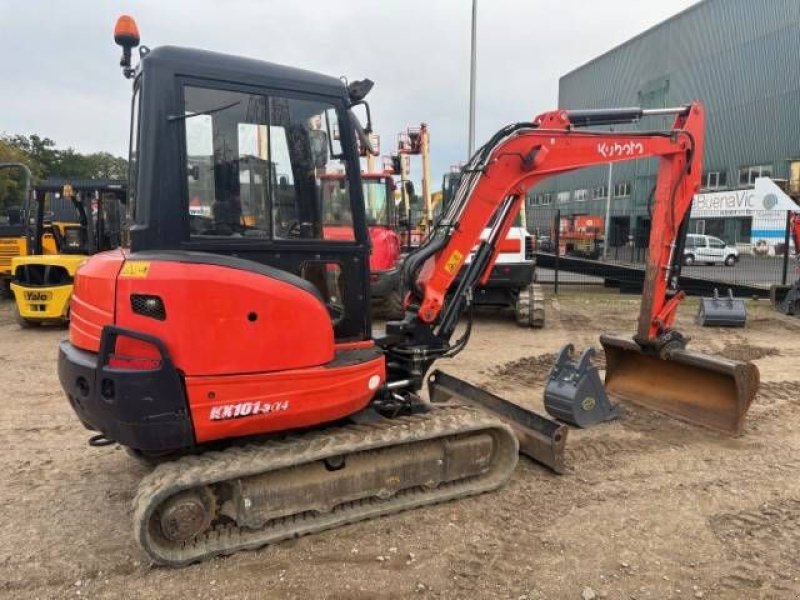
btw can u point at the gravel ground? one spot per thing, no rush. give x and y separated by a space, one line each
650 507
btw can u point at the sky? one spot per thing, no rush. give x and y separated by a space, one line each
61 77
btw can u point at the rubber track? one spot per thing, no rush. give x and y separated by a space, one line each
530 307
245 461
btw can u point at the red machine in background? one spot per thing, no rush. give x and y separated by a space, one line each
384 259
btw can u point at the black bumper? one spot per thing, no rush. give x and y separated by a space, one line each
143 409
383 283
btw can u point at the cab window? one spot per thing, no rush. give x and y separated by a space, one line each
376 201
264 167
716 243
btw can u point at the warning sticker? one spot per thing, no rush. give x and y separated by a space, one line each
453 262
135 268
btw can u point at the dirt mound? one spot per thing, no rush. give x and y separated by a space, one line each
743 351
530 370
533 370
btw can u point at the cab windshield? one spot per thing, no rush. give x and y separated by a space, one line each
262 166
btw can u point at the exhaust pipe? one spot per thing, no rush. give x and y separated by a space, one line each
701 389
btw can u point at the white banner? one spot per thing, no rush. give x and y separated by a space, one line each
765 196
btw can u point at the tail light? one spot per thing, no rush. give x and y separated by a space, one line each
135 355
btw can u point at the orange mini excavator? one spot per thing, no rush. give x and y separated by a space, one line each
232 319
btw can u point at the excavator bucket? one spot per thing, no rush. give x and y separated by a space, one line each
698 388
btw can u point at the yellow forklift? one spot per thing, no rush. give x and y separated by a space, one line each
14 232
81 218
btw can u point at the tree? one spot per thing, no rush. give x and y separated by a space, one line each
42 151
103 165
45 160
12 182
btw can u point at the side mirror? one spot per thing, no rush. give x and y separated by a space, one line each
194 172
358 90
367 120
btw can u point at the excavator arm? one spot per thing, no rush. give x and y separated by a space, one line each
552 146
493 186
495 183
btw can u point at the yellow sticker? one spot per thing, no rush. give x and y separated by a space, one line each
135 268
453 262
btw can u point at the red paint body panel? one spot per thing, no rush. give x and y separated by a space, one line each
509 245
385 242
93 299
385 253
286 400
208 330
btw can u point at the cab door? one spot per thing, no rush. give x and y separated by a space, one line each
273 177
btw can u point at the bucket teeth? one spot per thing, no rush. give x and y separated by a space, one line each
701 389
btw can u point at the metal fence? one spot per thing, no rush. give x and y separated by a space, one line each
747 253
750 253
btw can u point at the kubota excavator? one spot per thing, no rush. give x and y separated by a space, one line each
214 344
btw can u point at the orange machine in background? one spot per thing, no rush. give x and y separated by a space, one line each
581 235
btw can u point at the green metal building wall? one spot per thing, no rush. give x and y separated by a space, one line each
741 58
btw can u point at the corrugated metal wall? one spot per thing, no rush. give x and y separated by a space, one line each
741 58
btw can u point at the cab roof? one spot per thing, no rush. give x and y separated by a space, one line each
191 62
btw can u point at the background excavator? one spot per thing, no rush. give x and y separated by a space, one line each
512 281
214 345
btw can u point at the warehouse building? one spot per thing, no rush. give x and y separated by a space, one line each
738 57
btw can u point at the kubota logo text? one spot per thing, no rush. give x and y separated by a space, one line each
617 149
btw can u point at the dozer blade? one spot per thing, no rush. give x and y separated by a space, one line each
540 438
698 388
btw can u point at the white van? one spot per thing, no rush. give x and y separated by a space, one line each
710 250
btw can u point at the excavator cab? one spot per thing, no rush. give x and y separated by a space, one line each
260 166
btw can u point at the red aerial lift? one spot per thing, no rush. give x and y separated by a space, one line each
215 345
